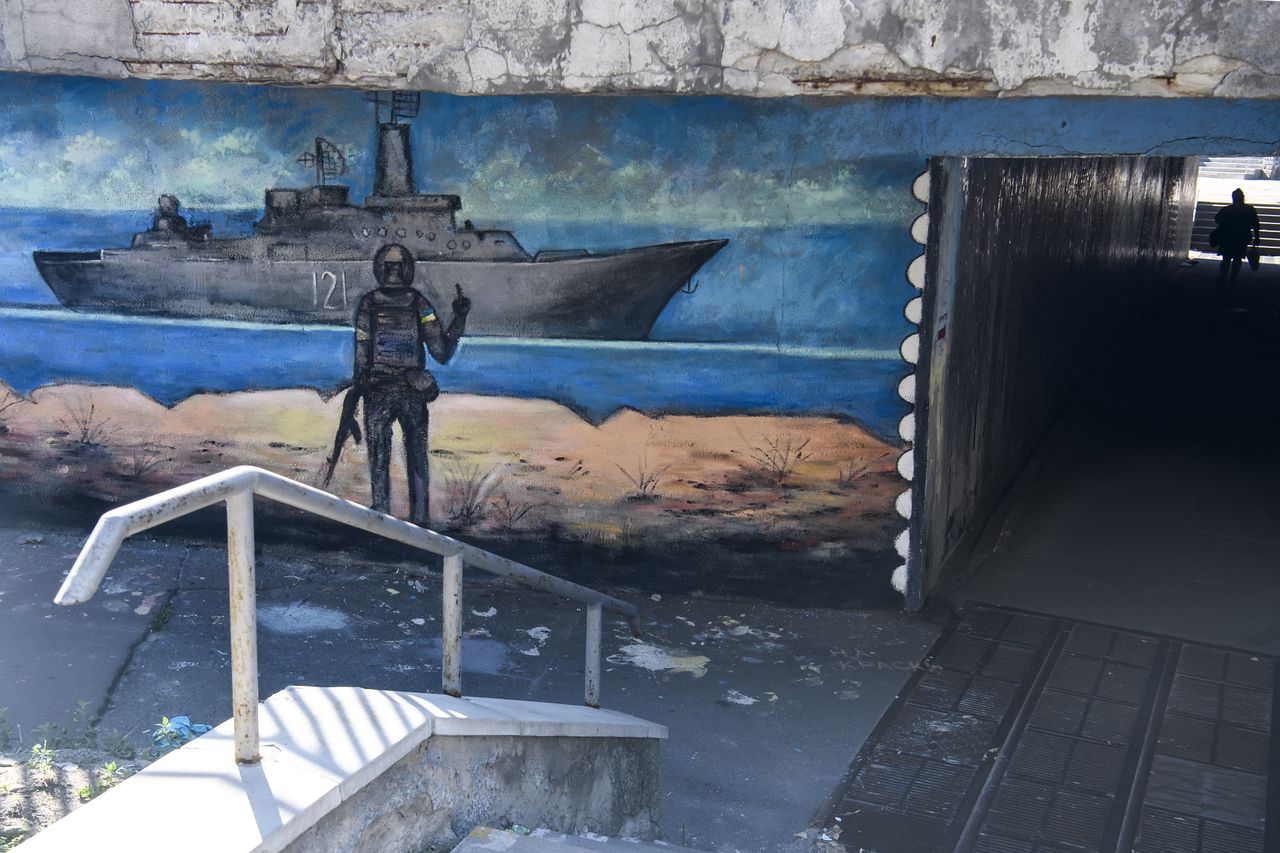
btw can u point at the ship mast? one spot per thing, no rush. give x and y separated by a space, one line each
395 155
328 160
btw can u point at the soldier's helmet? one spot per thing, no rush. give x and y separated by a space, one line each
397 257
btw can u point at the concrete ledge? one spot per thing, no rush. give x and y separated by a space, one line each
320 747
733 47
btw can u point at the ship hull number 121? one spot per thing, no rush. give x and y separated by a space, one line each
329 290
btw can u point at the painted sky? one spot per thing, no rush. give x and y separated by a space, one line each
818 235
91 144
95 144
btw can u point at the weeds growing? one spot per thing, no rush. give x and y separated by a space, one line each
108 776
173 733
777 456
83 423
57 736
41 759
80 733
644 480
468 488
507 512
7 402
115 743
852 470
161 617
139 464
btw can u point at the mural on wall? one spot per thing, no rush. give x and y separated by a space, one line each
651 335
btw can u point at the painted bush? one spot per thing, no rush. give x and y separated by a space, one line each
680 362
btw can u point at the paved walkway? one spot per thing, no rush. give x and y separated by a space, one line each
766 705
1152 507
1027 733
1153 504
53 657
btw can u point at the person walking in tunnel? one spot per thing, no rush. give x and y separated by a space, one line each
394 322
1238 228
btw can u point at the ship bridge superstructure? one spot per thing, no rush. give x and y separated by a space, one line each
394 212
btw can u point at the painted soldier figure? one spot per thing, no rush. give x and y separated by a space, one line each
393 324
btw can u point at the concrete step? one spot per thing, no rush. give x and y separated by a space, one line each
482 839
1268 217
322 746
1236 167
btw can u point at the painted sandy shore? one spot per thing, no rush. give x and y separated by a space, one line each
500 465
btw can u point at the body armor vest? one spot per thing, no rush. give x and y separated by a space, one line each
396 345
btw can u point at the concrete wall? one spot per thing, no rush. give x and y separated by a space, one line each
750 47
1034 266
434 796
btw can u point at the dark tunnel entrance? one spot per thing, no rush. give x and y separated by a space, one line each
1095 514
1099 433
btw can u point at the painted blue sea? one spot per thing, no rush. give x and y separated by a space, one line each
784 321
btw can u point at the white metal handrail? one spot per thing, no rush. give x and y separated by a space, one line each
237 486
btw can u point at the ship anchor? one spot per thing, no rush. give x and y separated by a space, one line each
690 286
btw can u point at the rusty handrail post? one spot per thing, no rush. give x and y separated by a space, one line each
451 627
595 624
244 625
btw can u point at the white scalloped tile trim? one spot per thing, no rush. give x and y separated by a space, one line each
913 311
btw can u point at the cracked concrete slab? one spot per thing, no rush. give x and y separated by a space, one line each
745 47
54 657
97 35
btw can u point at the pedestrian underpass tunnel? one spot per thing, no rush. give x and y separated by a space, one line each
1094 425
1095 470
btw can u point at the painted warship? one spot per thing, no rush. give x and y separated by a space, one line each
308 259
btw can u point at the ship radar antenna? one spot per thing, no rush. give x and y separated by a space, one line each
399 105
328 160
